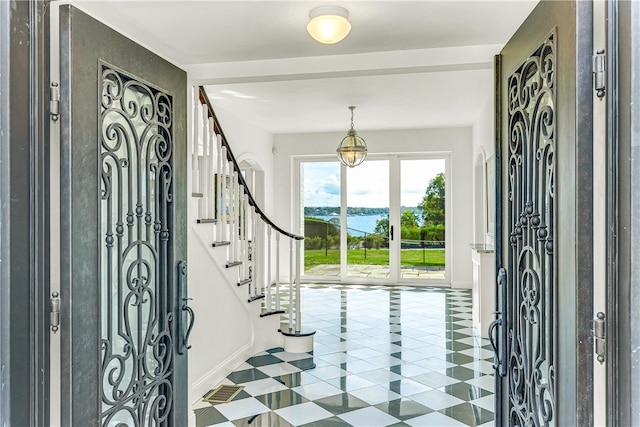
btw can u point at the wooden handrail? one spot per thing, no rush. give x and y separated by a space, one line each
204 99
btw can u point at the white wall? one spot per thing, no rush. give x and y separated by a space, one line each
253 145
483 144
456 141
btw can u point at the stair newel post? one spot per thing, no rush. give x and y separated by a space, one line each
194 146
277 278
218 183
268 281
298 299
291 278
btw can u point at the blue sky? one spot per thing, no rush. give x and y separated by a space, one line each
368 183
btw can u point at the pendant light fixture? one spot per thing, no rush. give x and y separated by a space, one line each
352 149
328 24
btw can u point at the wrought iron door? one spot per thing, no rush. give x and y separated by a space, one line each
123 229
543 227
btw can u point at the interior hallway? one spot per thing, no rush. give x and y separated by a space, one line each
383 356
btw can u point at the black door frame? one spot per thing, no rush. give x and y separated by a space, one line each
623 222
24 212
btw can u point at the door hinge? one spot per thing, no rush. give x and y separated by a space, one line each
54 317
600 335
599 72
54 103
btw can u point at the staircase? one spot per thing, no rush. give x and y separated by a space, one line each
244 270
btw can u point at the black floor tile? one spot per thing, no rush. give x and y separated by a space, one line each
263 360
247 375
465 391
268 419
304 364
469 414
208 416
281 399
403 409
341 403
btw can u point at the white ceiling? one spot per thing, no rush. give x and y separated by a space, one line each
405 64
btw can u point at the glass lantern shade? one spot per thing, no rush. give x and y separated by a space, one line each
352 149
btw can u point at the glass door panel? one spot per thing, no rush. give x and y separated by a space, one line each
367 218
422 219
320 193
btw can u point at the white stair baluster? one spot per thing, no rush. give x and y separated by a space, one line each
268 281
277 279
298 299
211 191
291 277
218 184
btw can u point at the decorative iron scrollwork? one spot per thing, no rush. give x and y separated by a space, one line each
531 214
136 165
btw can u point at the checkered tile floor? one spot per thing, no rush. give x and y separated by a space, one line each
383 356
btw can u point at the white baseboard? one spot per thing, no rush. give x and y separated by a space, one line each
212 378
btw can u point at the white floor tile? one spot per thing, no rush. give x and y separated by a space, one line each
486 382
278 369
375 394
368 417
264 386
288 357
317 390
304 413
436 399
242 408
434 419
328 372
350 383
487 402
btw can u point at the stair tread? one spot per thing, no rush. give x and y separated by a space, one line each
271 313
206 221
256 298
194 194
221 243
292 333
244 282
233 264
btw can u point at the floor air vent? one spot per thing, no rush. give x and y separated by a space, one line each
222 394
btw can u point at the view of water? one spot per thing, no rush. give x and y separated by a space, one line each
365 223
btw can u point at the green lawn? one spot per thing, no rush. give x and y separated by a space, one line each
432 257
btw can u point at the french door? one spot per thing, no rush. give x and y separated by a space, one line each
385 221
123 229
544 246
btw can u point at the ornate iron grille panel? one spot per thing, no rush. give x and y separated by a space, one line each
136 222
531 167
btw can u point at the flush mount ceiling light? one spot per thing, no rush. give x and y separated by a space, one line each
352 149
329 24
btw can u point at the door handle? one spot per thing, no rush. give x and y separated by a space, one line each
186 316
500 324
496 364
391 232
192 320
